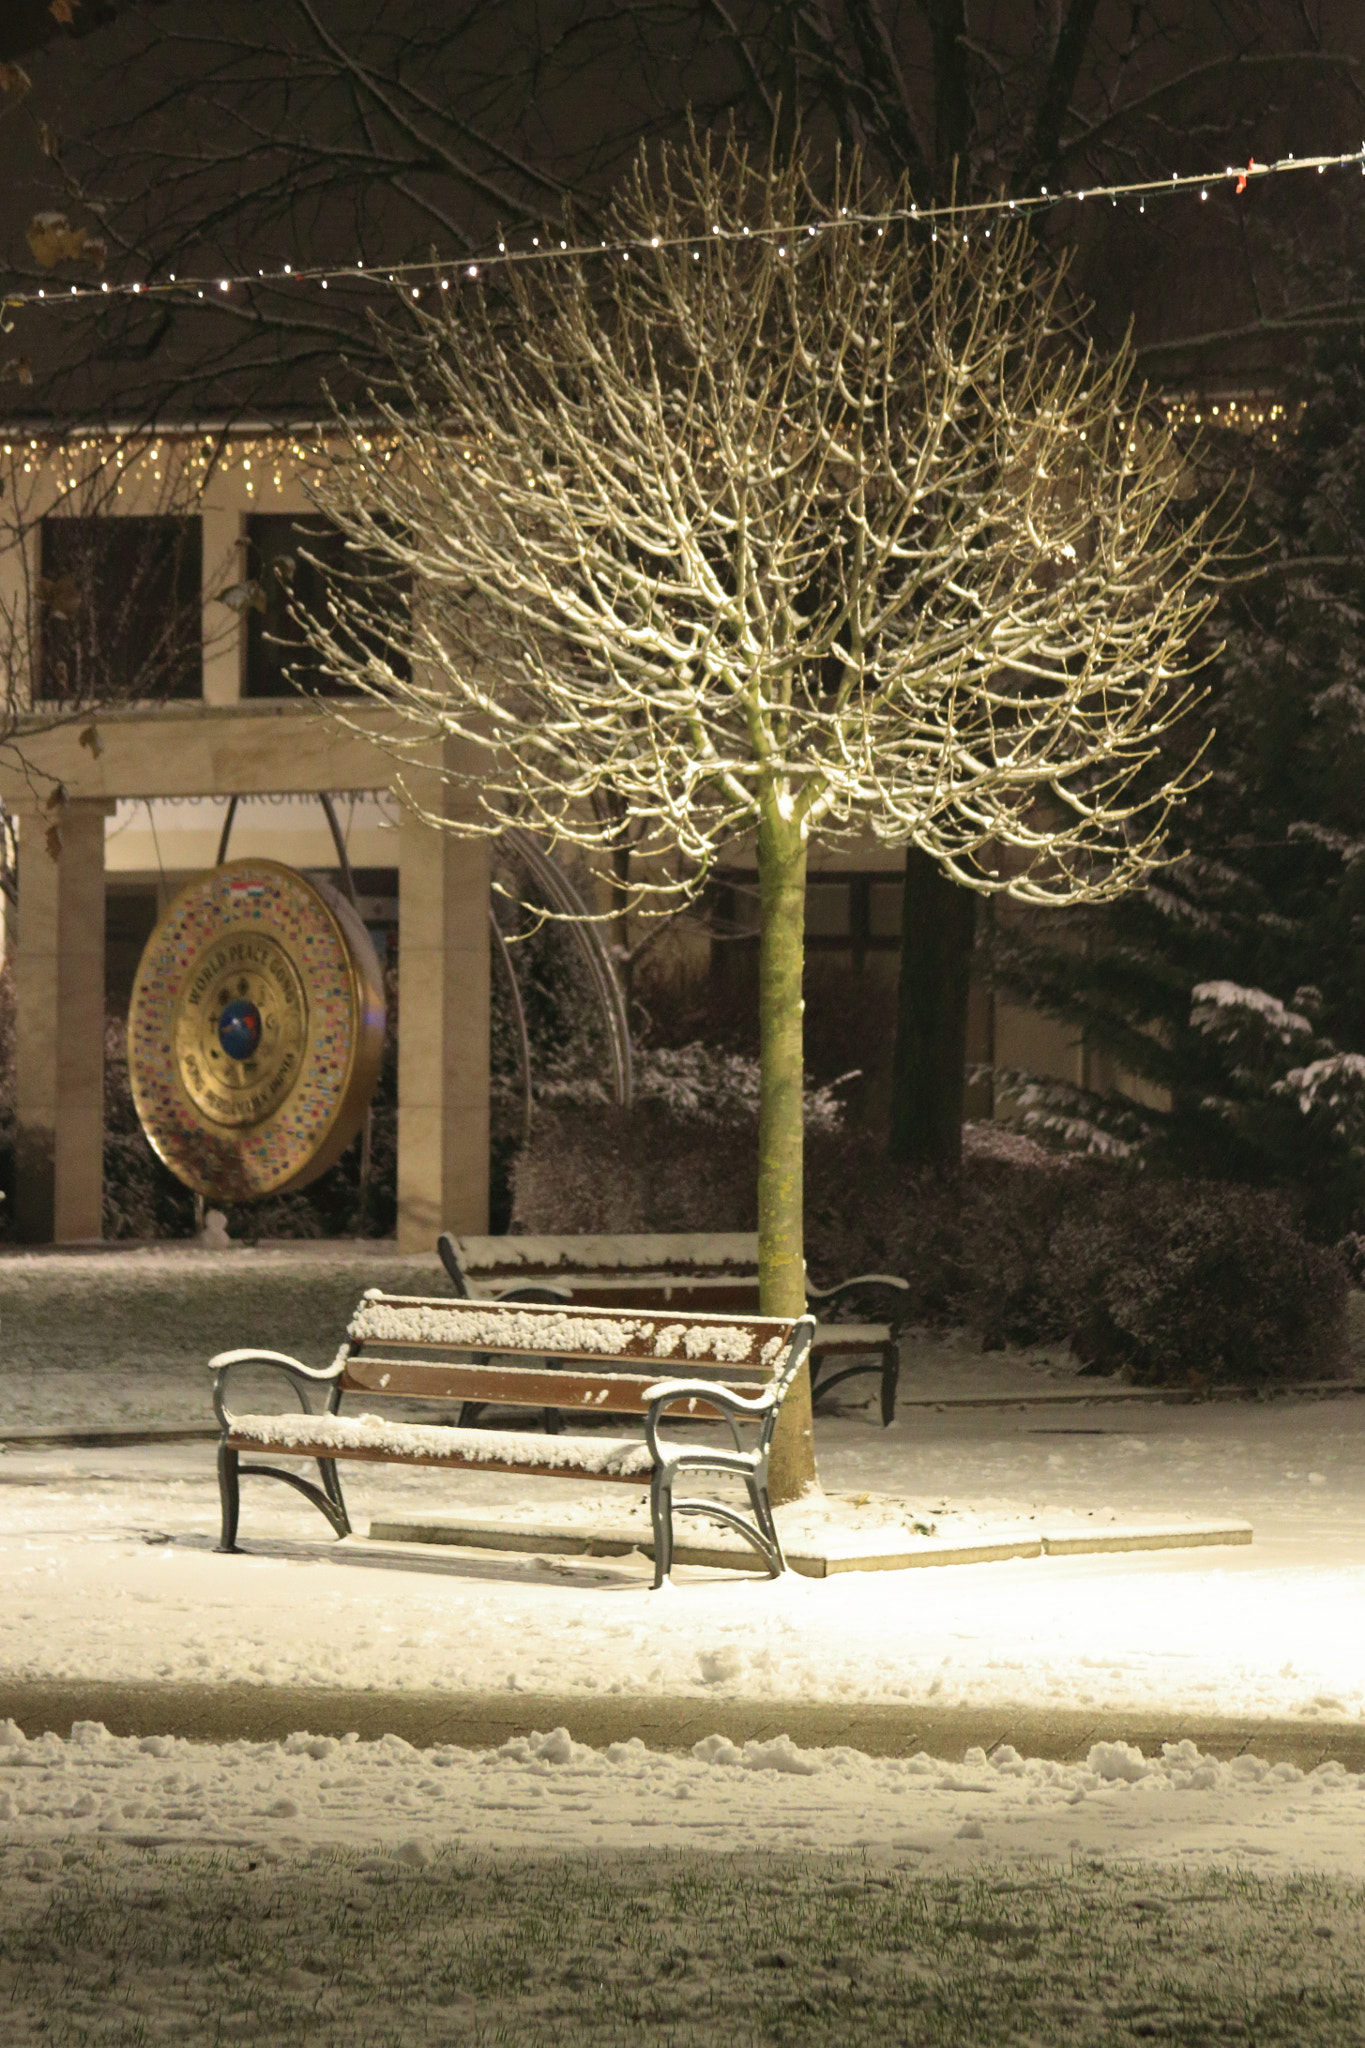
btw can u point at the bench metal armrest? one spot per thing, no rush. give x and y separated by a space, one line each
299 1376
733 1407
830 1297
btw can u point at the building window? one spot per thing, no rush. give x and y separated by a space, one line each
120 607
279 660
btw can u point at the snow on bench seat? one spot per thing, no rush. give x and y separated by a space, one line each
691 1251
429 1443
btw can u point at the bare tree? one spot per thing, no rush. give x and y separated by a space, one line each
778 520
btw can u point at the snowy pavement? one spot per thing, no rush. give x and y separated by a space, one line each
107 1573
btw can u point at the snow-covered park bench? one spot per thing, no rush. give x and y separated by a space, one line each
608 1361
705 1270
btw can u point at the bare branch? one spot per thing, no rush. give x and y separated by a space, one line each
842 529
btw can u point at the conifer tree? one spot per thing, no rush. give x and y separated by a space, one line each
1233 981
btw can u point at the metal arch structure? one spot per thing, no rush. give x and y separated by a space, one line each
566 901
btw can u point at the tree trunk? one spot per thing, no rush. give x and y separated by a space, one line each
781 1131
928 1070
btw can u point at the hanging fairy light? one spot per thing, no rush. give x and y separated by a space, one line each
401 273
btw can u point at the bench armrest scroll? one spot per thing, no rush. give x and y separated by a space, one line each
733 1407
664 1392
221 1360
299 1376
826 1298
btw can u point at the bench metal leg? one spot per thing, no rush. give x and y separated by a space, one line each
661 1515
891 1372
887 1369
326 1498
331 1486
762 1533
767 1526
230 1495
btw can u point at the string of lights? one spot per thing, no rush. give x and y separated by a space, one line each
269 461
444 273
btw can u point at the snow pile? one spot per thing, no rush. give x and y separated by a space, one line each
432 1443
548 1792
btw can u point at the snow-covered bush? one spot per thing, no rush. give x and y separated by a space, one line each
1291 1101
1174 1281
1284 1103
594 1167
683 1158
1193 1282
700 1083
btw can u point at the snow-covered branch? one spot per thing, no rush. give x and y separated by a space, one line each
841 522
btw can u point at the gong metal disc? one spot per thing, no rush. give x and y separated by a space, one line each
255 1031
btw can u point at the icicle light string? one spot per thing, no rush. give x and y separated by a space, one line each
443 273
269 462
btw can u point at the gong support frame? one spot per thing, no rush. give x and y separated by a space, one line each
139 753
221 750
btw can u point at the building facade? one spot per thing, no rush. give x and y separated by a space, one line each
153 726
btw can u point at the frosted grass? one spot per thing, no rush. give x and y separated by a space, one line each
100 1948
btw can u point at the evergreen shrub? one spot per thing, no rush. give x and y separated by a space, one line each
1195 1281
1169 1282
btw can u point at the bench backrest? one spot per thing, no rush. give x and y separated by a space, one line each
440 1349
700 1251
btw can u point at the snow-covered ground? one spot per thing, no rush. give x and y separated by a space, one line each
110 1572
368 1892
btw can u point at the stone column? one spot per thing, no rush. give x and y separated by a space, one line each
443 993
59 1024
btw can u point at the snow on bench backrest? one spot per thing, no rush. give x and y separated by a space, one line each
700 1251
548 1330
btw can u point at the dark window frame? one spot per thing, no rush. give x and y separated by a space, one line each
120 608
277 651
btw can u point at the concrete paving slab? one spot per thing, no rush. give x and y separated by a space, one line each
839 1554
1092 1542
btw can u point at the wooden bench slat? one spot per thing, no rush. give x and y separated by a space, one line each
582 1332
514 1385
659 1292
511 1258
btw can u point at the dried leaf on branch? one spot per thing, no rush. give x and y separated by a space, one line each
53 240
